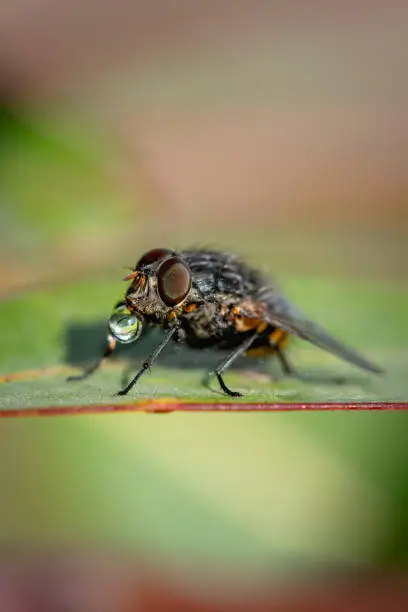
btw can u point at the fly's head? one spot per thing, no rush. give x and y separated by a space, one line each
160 284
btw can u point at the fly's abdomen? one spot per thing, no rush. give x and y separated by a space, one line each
267 343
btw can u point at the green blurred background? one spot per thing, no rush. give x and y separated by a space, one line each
274 129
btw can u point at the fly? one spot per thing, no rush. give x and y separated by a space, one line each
213 299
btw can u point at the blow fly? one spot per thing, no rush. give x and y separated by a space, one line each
212 299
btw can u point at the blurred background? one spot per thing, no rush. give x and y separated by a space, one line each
279 130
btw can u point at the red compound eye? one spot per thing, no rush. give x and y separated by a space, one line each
152 257
173 281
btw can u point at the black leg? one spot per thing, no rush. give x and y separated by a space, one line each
289 370
229 360
110 347
149 361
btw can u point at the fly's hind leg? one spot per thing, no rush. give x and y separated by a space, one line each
289 370
110 347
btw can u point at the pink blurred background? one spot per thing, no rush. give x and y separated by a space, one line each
251 110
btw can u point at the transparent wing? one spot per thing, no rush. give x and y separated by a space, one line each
283 315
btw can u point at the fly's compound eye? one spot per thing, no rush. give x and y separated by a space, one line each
152 257
173 281
124 325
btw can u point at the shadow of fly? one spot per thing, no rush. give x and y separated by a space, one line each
212 299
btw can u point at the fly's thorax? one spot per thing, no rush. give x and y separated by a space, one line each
204 321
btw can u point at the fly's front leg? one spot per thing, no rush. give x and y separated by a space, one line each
149 361
110 347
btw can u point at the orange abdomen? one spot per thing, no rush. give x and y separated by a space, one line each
277 338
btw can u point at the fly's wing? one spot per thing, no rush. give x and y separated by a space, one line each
279 312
